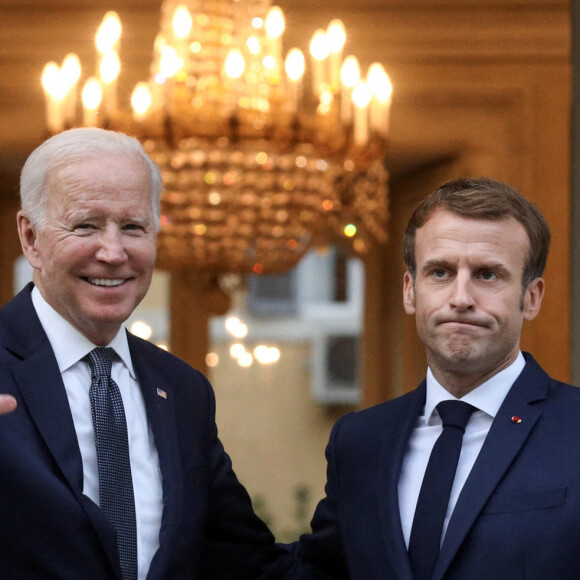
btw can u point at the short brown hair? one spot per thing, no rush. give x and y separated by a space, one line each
483 198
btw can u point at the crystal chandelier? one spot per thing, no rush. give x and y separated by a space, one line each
256 166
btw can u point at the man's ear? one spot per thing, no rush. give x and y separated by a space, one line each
408 293
28 235
533 298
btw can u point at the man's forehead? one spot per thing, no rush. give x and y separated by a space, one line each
449 233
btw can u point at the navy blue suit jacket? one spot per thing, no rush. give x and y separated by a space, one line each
518 516
50 530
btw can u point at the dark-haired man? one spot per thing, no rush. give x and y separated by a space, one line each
475 475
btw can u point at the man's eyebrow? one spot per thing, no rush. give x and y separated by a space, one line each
436 263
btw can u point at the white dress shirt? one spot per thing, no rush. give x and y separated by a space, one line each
487 398
70 347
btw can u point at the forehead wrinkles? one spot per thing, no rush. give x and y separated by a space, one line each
458 238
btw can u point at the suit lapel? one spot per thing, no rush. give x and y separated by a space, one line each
159 404
392 456
37 376
40 384
502 445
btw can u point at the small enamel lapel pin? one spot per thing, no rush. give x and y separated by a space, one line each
161 393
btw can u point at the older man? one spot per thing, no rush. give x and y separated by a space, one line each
111 464
475 475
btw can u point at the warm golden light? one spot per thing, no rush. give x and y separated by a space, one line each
266 354
319 46
212 359
141 329
295 64
110 67
237 350
52 82
182 22
71 69
261 158
109 32
245 359
336 36
92 93
379 82
235 64
169 63
361 96
141 98
275 22
350 72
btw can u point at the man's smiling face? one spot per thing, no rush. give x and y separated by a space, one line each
95 254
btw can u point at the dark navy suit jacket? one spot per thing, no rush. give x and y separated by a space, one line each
50 530
518 516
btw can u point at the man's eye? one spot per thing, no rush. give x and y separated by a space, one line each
439 273
487 275
132 227
84 226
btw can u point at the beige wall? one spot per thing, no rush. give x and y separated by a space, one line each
273 431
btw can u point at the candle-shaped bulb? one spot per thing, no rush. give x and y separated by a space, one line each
169 62
361 95
319 45
52 81
234 64
336 35
92 93
71 69
182 22
110 67
379 82
295 64
275 22
350 72
141 99
109 32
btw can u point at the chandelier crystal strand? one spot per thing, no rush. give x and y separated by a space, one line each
263 153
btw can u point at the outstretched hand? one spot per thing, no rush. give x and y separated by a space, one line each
7 404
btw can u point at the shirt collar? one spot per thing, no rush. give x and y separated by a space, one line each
68 343
487 397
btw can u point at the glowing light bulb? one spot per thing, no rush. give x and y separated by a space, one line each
141 329
182 22
141 99
110 67
275 22
92 93
319 45
336 36
235 64
109 32
295 64
350 72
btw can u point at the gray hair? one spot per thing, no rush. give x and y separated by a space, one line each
73 146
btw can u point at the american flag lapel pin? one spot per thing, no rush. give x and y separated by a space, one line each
161 393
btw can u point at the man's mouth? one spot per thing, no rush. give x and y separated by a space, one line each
106 281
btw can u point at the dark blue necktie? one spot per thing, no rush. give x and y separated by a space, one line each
115 483
433 499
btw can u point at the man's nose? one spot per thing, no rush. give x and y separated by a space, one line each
111 246
462 293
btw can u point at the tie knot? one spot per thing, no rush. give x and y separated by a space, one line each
101 361
455 413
